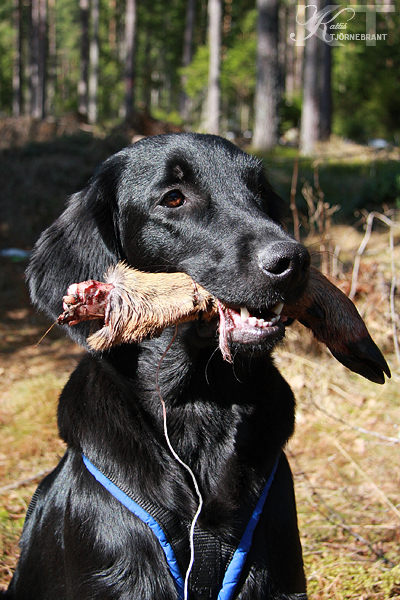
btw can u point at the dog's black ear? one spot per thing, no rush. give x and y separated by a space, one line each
81 244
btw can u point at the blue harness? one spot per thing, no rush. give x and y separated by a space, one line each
236 564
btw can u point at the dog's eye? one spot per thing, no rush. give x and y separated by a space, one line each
173 199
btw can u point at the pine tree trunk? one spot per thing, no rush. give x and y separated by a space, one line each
325 92
84 62
35 108
52 57
37 60
94 64
214 41
290 54
310 116
187 55
266 119
283 19
42 57
300 32
130 33
112 28
17 59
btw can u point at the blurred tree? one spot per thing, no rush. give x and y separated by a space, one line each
294 53
52 57
366 83
266 118
94 63
214 72
38 55
17 59
84 59
187 55
130 34
310 116
325 86
238 73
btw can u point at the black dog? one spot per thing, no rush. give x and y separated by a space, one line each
174 203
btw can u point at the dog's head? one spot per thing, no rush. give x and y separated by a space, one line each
181 202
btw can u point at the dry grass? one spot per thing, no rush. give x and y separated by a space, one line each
30 382
347 480
347 151
346 450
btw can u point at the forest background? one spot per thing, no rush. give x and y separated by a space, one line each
106 59
79 80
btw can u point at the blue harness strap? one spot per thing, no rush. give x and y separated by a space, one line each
235 567
145 517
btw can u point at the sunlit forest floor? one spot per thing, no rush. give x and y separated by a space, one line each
345 454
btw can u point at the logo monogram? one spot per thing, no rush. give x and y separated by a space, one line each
317 25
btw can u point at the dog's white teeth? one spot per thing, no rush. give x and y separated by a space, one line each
261 323
244 313
278 308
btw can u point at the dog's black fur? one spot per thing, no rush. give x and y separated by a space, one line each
197 204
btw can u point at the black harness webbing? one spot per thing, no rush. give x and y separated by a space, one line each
217 565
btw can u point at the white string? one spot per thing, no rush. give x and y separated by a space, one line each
199 496
188 469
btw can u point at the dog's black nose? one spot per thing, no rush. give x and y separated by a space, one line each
286 263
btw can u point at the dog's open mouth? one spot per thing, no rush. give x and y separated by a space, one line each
243 327
133 305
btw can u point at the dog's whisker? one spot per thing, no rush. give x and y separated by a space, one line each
207 365
234 370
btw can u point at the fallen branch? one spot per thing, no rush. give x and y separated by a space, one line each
336 389
22 482
368 479
376 434
354 280
334 517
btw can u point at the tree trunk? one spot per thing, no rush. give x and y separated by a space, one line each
310 116
42 56
325 92
52 57
300 32
130 33
84 62
266 119
187 55
34 59
94 64
17 59
283 19
112 28
290 54
37 61
214 42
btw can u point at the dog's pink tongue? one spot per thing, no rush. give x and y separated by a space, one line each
224 328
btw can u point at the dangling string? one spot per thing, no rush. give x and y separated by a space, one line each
188 469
